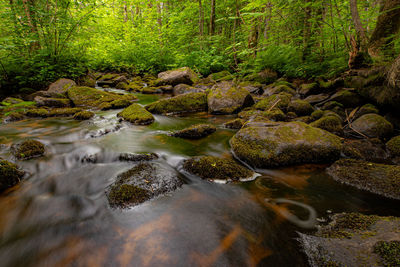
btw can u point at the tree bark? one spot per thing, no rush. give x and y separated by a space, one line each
387 26
307 32
361 36
201 19
212 18
393 75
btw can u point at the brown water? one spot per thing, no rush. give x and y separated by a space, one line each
59 215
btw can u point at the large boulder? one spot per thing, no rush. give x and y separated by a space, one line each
111 80
61 86
195 131
52 102
184 89
366 149
226 98
373 125
300 107
91 97
10 174
272 144
214 168
28 149
376 178
329 123
141 183
136 114
174 77
190 102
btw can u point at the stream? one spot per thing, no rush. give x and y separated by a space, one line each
59 215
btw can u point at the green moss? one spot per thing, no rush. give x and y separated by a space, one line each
63 112
179 104
222 75
317 114
37 112
308 88
234 124
329 123
10 174
196 131
120 103
373 125
83 115
331 105
394 146
283 82
300 107
125 194
209 167
389 251
15 116
136 114
29 149
268 102
283 89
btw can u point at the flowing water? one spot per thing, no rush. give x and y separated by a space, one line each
59 214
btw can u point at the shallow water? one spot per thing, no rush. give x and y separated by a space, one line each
59 215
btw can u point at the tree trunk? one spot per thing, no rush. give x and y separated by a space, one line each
387 26
393 76
361 36
201 19
212 18
307 32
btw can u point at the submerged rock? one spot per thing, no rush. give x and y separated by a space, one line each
190 102
376 178
214 168
196 131
83 115
174 77
141 183
136 114
28 149
353 239
226 98
272 144
10 174
373 125
61 86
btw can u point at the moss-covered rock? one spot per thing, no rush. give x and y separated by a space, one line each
10 174
329 123
136 114
234 124
37 112
184 89
266 76
366 149
353 239
14 116
52 102
226 98
28 149
317 114
347 97
120 103
307 89
394 146
316 99
272 144
221 76
173 77
91 97
280 101
111 80
373 125
195 131
276 89
83 115
190 102
142 182
61 86
214 168
11 101
257 115
63 112
252 87
376 178
331 105
300 107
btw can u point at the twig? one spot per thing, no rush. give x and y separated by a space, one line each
273 105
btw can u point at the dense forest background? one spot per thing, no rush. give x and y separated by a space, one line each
42 40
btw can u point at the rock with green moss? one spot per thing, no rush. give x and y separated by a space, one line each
226 98
316 99
257 115
195 131
61 86
11 101
331 124
252 87
37 112
307 89
52 102
265 76
394 146
366 149
317 114
136 114
28 149
191 102
111 80
174 77
373 125
300 107
214 168
63 112
221 76
366 109
141 183
10 174
353 239
380 179
234 124
120 103
276 89
83 115
272 144
14 116
331 105
184 89
91 97
280 101
347 97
